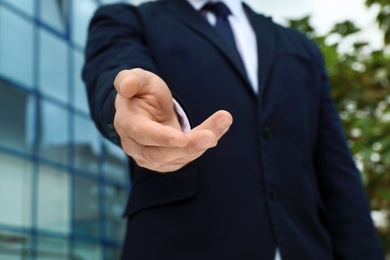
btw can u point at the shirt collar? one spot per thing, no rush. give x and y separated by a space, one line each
235 6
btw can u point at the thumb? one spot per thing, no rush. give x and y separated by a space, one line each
208 133
219 123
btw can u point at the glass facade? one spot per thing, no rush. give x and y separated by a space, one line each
63 187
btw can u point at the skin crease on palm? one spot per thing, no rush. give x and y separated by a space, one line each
149 128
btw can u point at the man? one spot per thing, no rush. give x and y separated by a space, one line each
281 182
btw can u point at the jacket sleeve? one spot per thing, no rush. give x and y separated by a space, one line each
348 217
115 42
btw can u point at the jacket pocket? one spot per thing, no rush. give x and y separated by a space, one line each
161 189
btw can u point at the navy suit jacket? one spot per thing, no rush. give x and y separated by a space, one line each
282 176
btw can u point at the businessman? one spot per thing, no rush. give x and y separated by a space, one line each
167 79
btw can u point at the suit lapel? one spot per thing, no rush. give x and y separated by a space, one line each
185 12
265 37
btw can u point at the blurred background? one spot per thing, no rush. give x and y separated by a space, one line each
63 187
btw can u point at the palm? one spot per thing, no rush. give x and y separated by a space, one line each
154 102
147 123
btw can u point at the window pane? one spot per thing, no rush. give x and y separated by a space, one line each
53 12
88 251
16 129
113 252
87 145
53 200
14 245
115 199
115 163
25 5
112 1
54 137
52 248
86 207
79 90
15 191
16 49
82 11
53 66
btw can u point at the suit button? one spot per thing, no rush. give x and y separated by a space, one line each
273 193
267 132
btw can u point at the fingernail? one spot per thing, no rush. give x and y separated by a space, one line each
223 122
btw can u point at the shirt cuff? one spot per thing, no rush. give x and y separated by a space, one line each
183 119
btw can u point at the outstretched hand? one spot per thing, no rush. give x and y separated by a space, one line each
149 128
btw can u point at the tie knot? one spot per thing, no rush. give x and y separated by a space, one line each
219 9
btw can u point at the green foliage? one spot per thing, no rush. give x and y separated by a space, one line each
383 17
360 79
345 28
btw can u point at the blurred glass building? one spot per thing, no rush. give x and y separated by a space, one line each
63 187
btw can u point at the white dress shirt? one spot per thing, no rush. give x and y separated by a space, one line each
245 39
244 35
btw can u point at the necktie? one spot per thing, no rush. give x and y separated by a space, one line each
221 12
